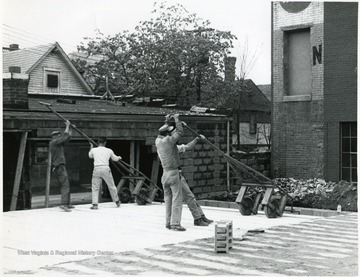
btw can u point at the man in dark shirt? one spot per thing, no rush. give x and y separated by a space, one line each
58 163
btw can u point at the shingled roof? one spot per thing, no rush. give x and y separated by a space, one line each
266 90
24 58
28 58
96 106
253 99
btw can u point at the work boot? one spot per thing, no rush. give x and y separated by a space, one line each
94 207
118 203
177 228
71 206
200 222
65 208
208 221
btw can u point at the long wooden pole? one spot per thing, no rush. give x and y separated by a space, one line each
231 159
48 179
120 163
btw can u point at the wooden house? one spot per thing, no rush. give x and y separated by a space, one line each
253 118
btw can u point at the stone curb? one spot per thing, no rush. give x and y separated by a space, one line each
296 210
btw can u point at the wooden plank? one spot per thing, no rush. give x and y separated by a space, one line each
48 178
16 130
132 162
18 173
138 187
266 199
133 177
241 194
132 155
257 185
137 157
120 184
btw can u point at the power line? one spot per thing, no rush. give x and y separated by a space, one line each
34 39
33 47
39 38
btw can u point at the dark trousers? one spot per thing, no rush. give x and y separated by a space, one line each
62 176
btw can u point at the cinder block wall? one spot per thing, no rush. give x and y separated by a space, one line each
340 76
204 167
15 90
297 125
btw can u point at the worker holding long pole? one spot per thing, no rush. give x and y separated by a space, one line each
176 189
58 162
101 156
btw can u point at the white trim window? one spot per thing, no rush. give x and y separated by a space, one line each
349 151
52 78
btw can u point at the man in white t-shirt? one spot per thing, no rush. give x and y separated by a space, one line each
102 171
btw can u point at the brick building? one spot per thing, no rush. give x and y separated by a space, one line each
131 130
314 93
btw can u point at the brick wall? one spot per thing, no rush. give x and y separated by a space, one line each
305 134
297 123
340 76
15 90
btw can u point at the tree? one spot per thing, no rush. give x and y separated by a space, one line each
175 55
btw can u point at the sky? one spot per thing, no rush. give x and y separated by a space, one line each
36 22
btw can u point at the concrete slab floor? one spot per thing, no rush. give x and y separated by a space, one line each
43 237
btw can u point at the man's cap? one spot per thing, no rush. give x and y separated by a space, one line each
55 133
166 128
102 139
169 120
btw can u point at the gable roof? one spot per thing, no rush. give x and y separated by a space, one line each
252 99
266 90
29 58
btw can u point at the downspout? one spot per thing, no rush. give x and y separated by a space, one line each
228 152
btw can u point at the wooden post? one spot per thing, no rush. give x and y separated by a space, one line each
48 179
228 152
137 157
18 172
132 162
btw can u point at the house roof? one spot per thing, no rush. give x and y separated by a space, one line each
266 90
29 58
253 99
24 58
96 106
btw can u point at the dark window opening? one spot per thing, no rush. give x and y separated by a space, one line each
52 81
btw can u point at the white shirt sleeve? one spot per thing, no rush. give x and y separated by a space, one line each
181 148
114 157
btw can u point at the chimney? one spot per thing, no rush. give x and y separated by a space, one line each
15 89
14 69
230 69
13 47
